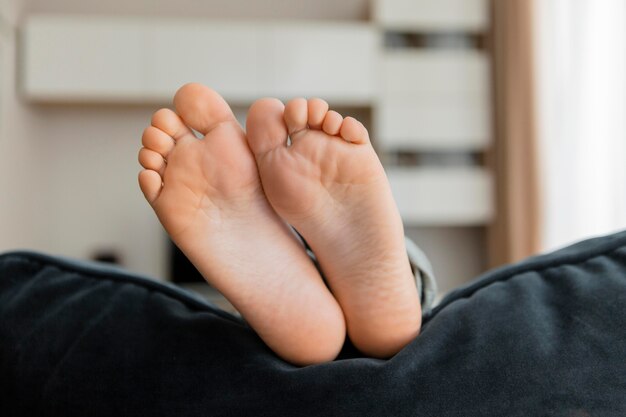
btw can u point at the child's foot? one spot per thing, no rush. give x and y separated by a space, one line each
208 196
330 185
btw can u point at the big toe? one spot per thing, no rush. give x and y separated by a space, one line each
201 108
265 126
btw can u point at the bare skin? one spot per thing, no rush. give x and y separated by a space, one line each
208 196
330 185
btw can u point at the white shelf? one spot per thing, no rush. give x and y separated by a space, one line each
426 100
225 56
432 15
460 196
431 123
434 100
85 59
333 61
451 73
145 60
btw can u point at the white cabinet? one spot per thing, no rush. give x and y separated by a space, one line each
431 124
85 59
226 56
144 60
333 61
432 15
446 72
434 100
460 196
422 100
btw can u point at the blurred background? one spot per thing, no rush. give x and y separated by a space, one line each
501 123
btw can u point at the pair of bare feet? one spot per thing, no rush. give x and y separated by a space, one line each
227 199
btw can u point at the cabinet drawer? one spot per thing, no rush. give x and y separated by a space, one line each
225 56
85 59
442 196
432 122
444 72
432 15
145 60
334 61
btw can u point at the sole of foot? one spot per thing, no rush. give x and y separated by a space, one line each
208 196
328 182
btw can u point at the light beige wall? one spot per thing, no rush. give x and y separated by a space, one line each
20 225
9 10
91 200
68 174
68 177
456 253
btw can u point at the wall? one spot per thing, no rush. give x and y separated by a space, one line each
91 198
68 173
20 224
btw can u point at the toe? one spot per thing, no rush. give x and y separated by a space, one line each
157 140
152 160
353 131
296 115
150 183
169 122
332 123
265 126
317 111
201 108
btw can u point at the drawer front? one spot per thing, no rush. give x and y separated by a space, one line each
443 72
433 15
432 123
145 60
85 59
336 62
442 196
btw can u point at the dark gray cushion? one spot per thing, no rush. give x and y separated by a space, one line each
545 337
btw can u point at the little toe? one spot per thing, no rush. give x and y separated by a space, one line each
353 131
152 160
332 123
317 111
157 140
201 108
150 183
265 126
169 122
296 115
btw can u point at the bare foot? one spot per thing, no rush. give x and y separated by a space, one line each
330 185
208 196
